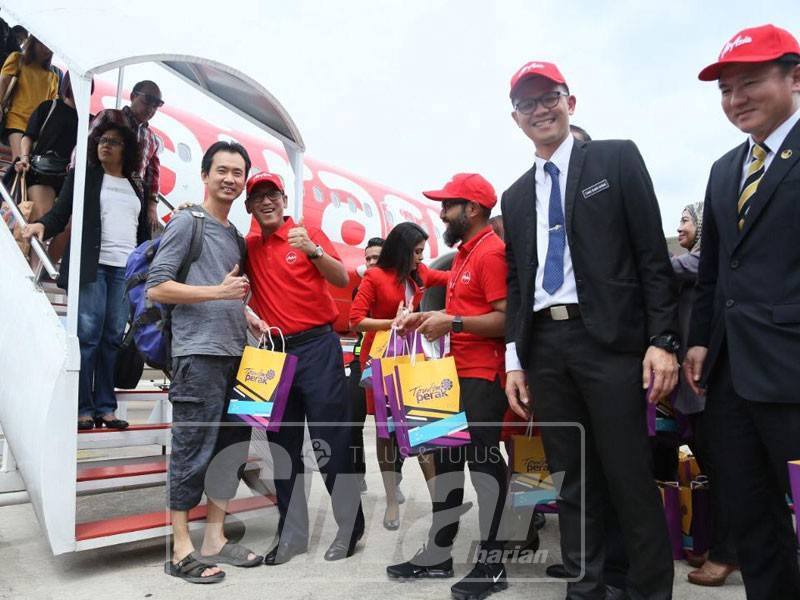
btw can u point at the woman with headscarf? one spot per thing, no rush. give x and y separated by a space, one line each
720 561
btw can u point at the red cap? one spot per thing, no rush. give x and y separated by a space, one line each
757 44
466 186
536 68
264 177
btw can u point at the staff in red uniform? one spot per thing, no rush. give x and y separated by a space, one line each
290 266
397 282
474 315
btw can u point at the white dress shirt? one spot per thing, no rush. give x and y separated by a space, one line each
773 142
568 292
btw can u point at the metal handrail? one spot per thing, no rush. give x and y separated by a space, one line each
161 198
37 246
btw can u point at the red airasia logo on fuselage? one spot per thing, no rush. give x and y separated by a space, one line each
291 257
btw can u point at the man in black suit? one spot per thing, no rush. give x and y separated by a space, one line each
745 333
591 321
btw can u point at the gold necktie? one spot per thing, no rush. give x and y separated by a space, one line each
755 171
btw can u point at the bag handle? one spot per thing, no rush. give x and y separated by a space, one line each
267 335
393 339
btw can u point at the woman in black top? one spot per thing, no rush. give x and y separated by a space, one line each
52 133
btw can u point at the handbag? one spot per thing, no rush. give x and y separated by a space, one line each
25 207
48 164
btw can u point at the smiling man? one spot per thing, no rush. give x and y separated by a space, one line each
208 337
591 321
745 334
290 266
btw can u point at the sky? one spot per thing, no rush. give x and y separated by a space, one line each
408 93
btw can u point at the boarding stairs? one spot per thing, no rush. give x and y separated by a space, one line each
65 473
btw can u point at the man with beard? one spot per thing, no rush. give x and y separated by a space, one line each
474 315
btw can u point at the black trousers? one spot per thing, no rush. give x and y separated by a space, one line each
484 402
575 380
319 394
753 441
358 401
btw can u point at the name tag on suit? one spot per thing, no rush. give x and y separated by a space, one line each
595 188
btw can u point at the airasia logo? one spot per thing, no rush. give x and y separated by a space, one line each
291 257
735 43
466 278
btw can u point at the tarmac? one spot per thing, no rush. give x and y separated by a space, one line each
136 570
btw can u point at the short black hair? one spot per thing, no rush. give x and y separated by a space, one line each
376 242
145 83
232 147
585 137
398 248
787 62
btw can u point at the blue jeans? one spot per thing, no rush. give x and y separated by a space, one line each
102 315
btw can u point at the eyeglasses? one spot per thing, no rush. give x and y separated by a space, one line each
265 197
110 141
448 204
151 100
548 100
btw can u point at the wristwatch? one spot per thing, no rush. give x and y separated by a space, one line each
666 341
317 253
458 324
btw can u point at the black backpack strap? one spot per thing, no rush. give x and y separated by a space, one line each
196 246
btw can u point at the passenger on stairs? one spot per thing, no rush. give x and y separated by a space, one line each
114 223
208 336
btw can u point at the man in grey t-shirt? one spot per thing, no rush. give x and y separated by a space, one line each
208 335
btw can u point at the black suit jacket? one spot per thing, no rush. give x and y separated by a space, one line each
748 290
56 221
625 282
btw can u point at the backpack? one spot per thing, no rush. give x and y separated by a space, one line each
150 322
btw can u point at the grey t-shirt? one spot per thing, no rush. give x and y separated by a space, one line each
216 327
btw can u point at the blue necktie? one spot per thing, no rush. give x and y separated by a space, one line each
557 239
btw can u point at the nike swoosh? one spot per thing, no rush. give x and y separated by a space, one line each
499 575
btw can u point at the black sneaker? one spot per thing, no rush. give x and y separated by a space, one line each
483 580
422 566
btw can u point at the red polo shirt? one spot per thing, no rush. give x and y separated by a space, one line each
288 290
477 278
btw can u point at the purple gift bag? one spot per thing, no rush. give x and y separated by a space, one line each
670 495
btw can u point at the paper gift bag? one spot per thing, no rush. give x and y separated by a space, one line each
425 398
380 343
670 496
699 540
531 483
688 469
794 481
395 351
262 386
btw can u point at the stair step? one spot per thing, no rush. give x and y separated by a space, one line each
136 435
117 530
123 469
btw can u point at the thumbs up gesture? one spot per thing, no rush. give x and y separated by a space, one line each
298 238
234 286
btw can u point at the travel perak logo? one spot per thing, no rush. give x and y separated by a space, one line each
258 376
432 392
536 465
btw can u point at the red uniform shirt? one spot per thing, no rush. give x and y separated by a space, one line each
288 290
379 294
477 278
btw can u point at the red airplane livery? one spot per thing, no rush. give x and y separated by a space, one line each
348 208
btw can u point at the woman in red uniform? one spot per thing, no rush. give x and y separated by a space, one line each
396 283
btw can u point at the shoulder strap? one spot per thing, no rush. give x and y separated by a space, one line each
196 246
46 119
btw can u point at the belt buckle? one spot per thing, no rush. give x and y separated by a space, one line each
559 313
